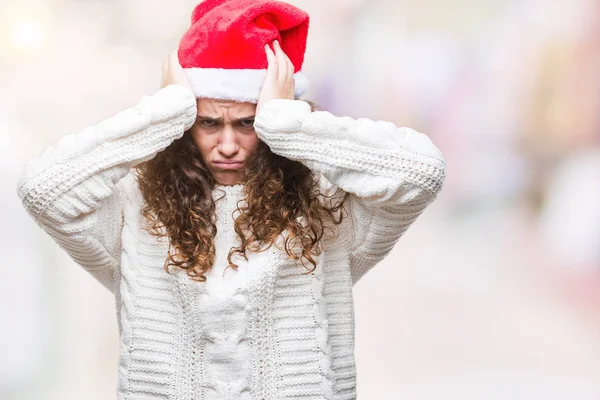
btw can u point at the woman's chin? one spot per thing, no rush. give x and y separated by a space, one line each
228 179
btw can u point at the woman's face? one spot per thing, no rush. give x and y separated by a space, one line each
224 134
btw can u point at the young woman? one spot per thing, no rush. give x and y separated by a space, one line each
231 232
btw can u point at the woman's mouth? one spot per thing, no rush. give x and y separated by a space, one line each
229 164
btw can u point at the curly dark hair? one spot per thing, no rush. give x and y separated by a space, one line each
280 195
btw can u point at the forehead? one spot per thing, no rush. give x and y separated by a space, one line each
214 107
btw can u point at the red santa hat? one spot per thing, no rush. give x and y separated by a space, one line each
223 51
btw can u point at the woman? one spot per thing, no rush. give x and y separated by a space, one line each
232 225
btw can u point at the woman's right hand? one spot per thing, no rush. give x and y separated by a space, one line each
173 73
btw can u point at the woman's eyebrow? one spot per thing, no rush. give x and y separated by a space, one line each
221 119
244 118
207 118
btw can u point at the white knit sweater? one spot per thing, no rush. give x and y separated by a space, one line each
266 331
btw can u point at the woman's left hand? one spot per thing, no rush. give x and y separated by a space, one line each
279 82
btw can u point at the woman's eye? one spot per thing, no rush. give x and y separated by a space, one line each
208 123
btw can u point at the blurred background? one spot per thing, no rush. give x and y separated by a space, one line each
494 293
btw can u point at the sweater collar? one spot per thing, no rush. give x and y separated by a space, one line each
236 190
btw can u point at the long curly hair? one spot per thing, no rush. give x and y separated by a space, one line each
280 195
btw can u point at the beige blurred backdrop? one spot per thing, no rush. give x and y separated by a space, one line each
494 293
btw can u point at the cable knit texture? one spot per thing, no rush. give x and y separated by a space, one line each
266 331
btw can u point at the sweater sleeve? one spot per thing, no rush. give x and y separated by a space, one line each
72 190
391 173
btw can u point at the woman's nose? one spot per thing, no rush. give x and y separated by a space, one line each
228 145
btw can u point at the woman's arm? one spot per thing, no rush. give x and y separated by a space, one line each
71 190
391 173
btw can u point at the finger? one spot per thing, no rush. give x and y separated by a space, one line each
289 79
168 60
271 62
282 65
290 68
292 81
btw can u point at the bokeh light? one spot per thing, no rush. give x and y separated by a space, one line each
28 35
